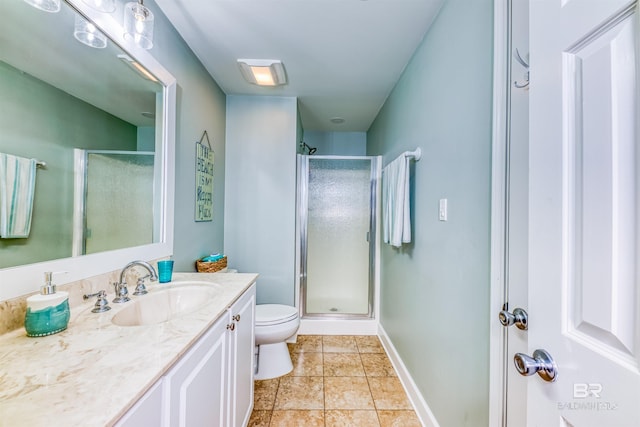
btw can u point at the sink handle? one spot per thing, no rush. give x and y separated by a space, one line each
122 293
141 289
102 304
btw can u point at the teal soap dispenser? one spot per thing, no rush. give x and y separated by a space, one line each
47 312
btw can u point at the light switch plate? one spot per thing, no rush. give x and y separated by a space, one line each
442 210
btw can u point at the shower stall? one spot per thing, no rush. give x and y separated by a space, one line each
113 200
337 199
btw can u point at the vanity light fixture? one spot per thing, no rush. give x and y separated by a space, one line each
52 6
138 24
87 33
263 72
106 6
135 66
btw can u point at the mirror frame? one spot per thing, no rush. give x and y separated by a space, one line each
25 279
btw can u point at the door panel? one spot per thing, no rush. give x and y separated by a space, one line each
583 212
196 387
598 74
241 358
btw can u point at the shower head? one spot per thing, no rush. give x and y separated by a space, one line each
310 149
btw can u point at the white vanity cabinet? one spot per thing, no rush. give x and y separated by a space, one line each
241 346
196 388
147 411
212 384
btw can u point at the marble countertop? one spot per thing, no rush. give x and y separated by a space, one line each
93 372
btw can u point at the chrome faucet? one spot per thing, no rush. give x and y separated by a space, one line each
121 288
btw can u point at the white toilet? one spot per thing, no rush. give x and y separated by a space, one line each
275 323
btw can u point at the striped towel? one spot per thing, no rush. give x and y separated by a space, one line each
17 188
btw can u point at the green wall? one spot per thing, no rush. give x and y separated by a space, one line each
337 143
39 121
201 106
435 291
260 205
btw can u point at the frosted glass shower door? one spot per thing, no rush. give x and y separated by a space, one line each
338 231
119 200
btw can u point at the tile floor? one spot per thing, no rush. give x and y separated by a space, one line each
336 381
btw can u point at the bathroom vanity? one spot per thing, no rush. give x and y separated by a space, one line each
194 366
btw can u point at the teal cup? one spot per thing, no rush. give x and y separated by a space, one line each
165 270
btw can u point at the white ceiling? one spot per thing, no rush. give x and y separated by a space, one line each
342 57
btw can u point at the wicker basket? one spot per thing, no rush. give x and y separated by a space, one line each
211 267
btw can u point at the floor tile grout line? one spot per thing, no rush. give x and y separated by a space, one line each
368 379
324 398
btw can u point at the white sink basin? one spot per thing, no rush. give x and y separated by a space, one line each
162 305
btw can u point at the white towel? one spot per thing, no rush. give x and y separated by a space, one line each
17 188
396 218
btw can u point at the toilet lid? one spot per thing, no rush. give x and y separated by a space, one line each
273 314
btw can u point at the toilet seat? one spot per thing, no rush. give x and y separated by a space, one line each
274 314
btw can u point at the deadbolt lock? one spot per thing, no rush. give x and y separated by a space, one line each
519 317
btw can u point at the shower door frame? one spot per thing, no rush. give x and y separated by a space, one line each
302 220
79 223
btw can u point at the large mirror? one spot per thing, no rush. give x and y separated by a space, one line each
99 121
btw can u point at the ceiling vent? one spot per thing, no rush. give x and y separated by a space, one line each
263 72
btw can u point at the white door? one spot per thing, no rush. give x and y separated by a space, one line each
584 294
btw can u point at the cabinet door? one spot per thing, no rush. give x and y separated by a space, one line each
241 354
147 411
196 386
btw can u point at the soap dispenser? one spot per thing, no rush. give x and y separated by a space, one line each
47 312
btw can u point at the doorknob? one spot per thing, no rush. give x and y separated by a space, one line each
541 363
519 317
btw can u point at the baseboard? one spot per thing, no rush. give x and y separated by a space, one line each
417 400
338 327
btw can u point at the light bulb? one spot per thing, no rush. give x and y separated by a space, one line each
138 24
51 6
87 33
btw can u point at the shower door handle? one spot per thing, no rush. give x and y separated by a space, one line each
367 236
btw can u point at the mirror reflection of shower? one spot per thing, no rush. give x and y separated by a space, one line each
305 146
113 200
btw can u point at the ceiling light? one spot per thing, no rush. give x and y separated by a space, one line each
106 6
138 24
263 72
52 6
87 33
336 120
135 66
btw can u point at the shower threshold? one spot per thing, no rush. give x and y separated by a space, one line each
325 325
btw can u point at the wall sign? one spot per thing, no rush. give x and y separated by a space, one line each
204 180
